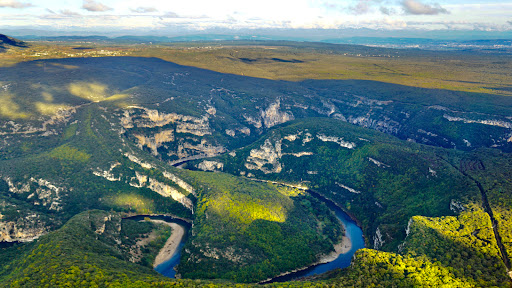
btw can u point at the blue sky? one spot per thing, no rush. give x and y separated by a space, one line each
200 15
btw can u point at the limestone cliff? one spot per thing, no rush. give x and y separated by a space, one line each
210 166
23 229
267 155
273 116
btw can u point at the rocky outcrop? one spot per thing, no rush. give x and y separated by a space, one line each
42 192
184 185
291 137
168 191
62 115
24 229
378 240
300 154
137 161
196 126
155 141
338 140
140 178
107 174
204 148
273 116
456 206
490 122
432 172
378 163
351 190
267 155
385 125
210 166
233 132
253 121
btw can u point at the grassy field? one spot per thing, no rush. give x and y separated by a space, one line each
459 71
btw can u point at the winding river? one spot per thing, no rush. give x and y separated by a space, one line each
352 232
166 268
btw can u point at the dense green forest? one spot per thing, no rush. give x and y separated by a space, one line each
77 255
245 230
391 180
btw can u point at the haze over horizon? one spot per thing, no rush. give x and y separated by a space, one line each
391 17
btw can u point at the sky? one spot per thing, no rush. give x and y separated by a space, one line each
173 16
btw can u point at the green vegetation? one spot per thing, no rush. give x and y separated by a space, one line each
373 268
247 231
143 240
465 243
69 147
66 152
393 180
83 253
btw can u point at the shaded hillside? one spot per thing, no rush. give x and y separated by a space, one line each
6 42
226 111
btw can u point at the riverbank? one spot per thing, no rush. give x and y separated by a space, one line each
340 248
171 245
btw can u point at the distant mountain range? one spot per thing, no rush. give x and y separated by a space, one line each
501 45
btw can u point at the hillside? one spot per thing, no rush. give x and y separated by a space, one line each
387 184
424 172
7 42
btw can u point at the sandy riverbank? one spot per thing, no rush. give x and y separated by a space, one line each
341 248
172 243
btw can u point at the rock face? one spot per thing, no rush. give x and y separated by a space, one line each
155 141
490 122
378 163
38 191
26 220
139 180
351 190
338 140
267 155
378 241
272 116
168 191
210 166
170 136
147 118
187 187
24 229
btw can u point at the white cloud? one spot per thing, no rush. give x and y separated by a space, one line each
144 10
70 13
415 7
170 15
14 4
93 6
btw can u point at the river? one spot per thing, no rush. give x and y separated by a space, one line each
352 231
167 267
